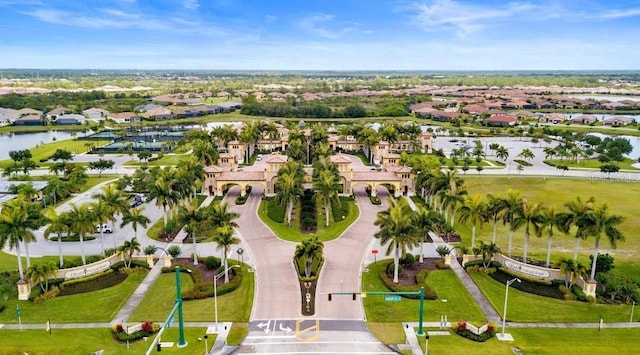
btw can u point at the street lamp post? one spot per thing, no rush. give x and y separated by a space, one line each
215 291
206 344
630 319
504 313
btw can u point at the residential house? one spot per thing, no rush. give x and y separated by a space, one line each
69 119
554 118
58 111
584 119
157 114
501 120
96 113
8 116
30 120
618 121
124 117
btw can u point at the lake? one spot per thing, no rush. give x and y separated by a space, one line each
18 141
616 98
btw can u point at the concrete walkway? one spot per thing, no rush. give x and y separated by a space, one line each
136 298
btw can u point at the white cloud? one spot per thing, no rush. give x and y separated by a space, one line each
190 4
461 18
616 14
316 25
270 18
119 20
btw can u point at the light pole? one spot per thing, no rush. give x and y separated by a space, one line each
215 291
206 344
630 319
504 314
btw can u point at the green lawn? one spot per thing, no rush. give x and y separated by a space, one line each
591 164
293 233
9 262
621 197
97 306
543 341
235 306
458 305
44 151
167 159
526 307
86 341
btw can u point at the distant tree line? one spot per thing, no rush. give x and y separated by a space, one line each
76 102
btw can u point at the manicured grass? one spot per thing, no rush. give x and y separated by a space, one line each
234 306
167 159
591 163
237 333
542 341
98 306
459 303
621 197
547 309
44 151
387 333
86 341
293 233
9 262
77 128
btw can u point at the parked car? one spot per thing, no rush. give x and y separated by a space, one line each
137 200
259 157
105 228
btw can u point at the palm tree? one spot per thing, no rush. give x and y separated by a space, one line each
191 217
205 152
528 214
308 250
326 187
495 209
272 132
225 238
58 224
40 273
571 270
423 220
102 213
549 219
452 196
577 210
16 227
128 248
502 153
512 202
194 171
250 135
164 194
289 188
597 223
473 210
117 202
526 154
219 214
135 217
83 222
56 188
396 229
487 251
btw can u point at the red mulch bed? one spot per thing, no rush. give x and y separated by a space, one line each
207 274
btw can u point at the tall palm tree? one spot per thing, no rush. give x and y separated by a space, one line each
164 194
117 202
571 270
194 171
191 217
474 210
326 187
135 217
423 220
512 202
577 210
56 188
452 196
502 153
528 215
16 227
128 248
289 188
250 135
220 214
549 219
225 238
495 208
83 222
597 223
40 273
488 250
205 152
397 230
526 154
272 132
102 213
58 224
308 250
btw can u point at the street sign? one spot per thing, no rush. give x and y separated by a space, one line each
374 251
394 298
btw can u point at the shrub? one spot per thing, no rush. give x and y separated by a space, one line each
92 283
341 209
537 287
428 292
275 211
51 294
174 251
241 200
441 265
460 328
375 200
3 307
579 293
148 329
212 262
407 260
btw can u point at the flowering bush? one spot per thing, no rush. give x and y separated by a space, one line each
470 331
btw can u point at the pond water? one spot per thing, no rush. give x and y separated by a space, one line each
616 98
27 140
634 141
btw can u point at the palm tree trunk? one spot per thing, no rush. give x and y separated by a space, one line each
576 248
396 264
473 235
164 215
596 248
195 253
26 253
113 226
20 269
102 239
226 267
510 239
84 260
326 212
526 245
421 253
60 249
495 226
549 251
289 211
453 216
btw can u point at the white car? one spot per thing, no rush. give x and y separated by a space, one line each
105 228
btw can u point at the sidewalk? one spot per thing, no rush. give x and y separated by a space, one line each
136 298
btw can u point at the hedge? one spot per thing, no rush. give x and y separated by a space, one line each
340 209
429 293
204 288
275 211
460 328
537 288
83 285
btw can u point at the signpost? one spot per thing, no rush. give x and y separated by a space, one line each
374 252
395 298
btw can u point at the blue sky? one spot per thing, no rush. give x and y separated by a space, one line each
320 34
